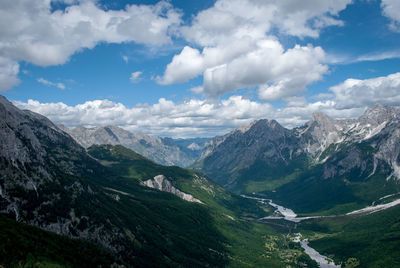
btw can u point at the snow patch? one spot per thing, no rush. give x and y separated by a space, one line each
375 131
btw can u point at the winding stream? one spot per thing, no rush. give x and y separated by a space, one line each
323 261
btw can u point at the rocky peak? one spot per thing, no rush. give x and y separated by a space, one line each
378 114
268 123
321 119
259 125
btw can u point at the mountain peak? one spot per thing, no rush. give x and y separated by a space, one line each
270 123
378 113
321 118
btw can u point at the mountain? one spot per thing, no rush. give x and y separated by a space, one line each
325 164
193 147
165 151
100 197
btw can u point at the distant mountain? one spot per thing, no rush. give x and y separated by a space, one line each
318 166
165 151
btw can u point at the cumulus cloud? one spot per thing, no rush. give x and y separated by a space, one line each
30 31
360 93
238 50
391 9
184 66
191 118
236 19
280 72
135 77
49 83
197 117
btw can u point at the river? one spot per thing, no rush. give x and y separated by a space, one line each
290 215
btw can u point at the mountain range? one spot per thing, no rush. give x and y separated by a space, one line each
317 166
165 151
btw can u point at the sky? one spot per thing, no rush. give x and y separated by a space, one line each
198 68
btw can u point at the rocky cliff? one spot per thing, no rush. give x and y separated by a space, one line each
161 183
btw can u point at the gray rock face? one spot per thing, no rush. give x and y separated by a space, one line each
165 153
322 131
265 141
161 183
378 126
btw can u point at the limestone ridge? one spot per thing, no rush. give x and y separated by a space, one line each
161 183
317 141
161 150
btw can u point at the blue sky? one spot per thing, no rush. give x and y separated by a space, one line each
198 68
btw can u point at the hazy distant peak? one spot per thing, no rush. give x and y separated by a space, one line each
378 114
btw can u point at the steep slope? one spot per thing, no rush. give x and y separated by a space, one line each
318 166
264 148
161 150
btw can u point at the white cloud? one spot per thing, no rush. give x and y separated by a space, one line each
391 9
245 64
236 19
188 64
135 77
49 83
361 93
30 32
197 90
238 50
125 58
196 117
8 73
379 56
191 118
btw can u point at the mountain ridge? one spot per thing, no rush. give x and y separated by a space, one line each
346 154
